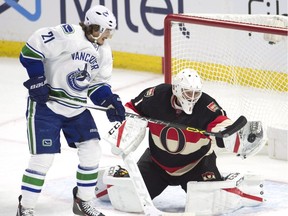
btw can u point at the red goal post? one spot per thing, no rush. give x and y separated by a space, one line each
248 53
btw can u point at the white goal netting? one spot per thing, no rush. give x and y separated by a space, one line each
242 59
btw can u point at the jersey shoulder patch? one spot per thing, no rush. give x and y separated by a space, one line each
67 29
213 106
149 92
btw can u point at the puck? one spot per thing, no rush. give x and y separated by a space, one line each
251 137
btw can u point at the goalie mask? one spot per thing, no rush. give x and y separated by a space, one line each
187 87
101 16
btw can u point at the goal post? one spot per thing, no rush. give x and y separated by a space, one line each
242 60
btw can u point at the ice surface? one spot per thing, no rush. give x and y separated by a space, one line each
56 197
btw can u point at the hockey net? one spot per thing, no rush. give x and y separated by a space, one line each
242 59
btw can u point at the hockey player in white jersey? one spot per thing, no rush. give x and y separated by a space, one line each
67 62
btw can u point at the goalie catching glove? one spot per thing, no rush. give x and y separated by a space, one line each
125 137
248 141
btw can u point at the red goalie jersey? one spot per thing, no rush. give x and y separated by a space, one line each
175 150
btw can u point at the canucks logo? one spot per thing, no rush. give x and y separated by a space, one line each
79 80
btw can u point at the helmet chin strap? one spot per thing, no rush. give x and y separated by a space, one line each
100 34
95 38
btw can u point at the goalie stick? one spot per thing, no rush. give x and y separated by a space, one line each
236 126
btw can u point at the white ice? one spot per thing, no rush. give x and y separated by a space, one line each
56 197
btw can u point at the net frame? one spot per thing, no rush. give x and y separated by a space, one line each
167 66
198 19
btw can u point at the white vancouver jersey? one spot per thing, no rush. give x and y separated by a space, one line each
73 66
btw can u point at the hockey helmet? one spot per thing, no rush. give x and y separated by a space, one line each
187 87
102 16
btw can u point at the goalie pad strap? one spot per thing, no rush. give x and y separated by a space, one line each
242 194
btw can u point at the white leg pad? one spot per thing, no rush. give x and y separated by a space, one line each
101 191
222 197
120 190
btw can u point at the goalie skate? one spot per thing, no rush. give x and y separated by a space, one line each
81 207
24 211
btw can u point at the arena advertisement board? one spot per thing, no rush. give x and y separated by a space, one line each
140 26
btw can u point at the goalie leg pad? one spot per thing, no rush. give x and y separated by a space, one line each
222 197
101 191
119 188
124 198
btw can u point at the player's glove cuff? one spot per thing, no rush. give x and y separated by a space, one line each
115 111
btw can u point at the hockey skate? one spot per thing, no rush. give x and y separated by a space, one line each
24 211
81 207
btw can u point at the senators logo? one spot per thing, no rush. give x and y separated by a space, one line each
207 176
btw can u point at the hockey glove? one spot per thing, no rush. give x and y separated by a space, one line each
38 90
125 137
115 111
248 141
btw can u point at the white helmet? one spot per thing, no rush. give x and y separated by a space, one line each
187 87
102 16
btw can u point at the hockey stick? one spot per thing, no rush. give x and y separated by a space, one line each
142 192
236 126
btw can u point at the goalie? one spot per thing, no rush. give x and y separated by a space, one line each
176 156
